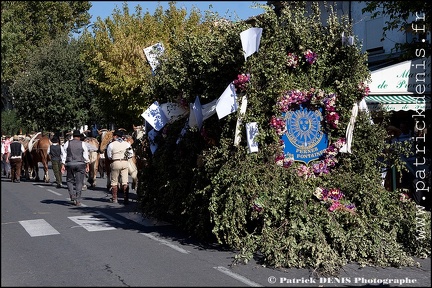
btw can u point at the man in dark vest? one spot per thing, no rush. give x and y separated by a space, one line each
55 152
76 161
15 159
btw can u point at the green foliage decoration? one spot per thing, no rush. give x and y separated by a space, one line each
219 192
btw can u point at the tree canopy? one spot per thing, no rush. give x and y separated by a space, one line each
53 92
116 61
26 25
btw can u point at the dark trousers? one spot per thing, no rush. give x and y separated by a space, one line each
16 164
75 177
56 167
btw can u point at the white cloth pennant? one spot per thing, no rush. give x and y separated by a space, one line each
155 116
243 105
209 109
251 132
152 135
346 148
153 53
173 111
227 102
250 40
195 114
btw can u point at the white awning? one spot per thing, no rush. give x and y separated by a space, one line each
398 102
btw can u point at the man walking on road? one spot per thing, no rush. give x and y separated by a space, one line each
76 161
15 159
118 152
55 151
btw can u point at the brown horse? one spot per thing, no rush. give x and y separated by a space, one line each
37 151
106 137
140 147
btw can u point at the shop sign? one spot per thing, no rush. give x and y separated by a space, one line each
409 77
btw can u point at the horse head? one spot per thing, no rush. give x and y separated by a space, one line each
138 132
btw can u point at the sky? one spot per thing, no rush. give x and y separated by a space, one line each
227 9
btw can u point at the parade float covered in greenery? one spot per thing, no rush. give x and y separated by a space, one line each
268 152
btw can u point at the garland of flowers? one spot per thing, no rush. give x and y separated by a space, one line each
327 161
291 100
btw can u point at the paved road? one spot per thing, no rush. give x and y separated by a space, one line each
48 242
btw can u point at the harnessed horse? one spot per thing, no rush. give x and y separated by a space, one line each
140 146
37 151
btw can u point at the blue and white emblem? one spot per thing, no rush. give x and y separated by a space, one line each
304 139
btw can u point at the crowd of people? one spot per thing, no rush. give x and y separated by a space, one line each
72 158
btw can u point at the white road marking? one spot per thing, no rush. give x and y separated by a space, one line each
38 227
91 223
237 276
175 247
54 192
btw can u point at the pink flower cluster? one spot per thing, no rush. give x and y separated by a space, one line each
257 207
278 124
403 197
290 98
292 60
333 197
310 57
362 87
331 116
241 82
283 161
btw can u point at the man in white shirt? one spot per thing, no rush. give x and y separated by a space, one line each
118 152
76 161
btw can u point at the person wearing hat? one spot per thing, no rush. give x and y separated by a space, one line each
55 152
6 155
75 161
15 159
118 152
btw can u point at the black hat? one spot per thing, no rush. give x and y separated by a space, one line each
76 133
54 139
118 133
